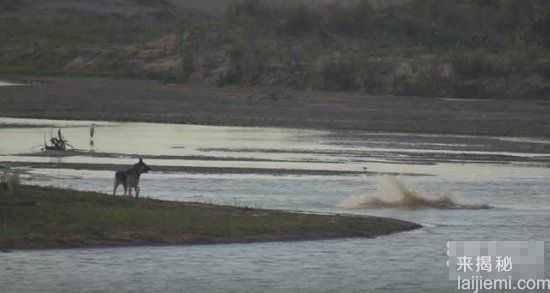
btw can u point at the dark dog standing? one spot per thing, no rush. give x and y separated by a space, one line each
130 178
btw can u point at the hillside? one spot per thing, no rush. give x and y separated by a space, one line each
220 5
459 48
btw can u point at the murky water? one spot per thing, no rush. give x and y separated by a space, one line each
509 174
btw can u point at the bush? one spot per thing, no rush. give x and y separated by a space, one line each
298 19
354 18
10 5
250 14
541 28
336 72
482 64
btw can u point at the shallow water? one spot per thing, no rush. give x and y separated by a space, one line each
509 174
5 83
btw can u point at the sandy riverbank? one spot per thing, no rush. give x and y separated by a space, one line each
152 101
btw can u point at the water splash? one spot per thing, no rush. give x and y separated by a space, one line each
392 193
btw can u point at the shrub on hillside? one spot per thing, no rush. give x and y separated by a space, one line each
336 72
10 5
471 65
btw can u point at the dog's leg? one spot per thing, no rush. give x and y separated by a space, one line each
115 187
137 191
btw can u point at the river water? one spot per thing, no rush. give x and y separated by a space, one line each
508 174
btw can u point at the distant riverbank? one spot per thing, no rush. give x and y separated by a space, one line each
45 218
152 101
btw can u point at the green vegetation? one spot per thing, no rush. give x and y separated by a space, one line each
423 47
37 217
10 5
462 48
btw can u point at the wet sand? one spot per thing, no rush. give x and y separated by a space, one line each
92 154
401 157
201 170
151 101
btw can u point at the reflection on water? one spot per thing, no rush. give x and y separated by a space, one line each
274 148
472 169
153 139
5 83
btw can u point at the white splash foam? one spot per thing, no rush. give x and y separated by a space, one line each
392 193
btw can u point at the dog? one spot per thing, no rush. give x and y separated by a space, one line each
130 178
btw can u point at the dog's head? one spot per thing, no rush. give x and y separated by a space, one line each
141 167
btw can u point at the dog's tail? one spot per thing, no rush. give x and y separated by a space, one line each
119 177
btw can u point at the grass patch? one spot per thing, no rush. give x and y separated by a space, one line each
38 217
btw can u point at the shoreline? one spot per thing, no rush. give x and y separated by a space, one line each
53 218
138 244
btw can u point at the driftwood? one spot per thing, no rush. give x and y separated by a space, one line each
57 143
